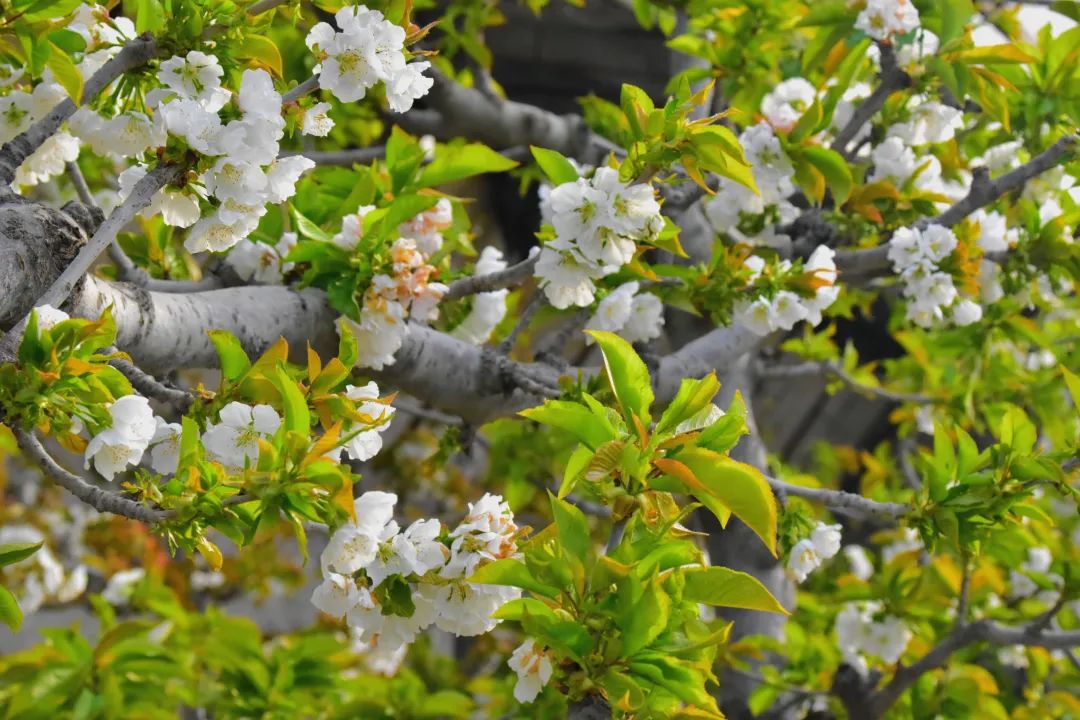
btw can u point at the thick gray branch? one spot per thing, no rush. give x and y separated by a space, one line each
134 54
834 369
716 350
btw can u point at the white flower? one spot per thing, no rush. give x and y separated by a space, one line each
757 316
565 277
124 442
385 631
412 552
826 539
367 443
858 634
15 114
646 319
882 19
426 229
487 533
937 242
787 310
911 54
125 135
282 176
859 562
234 441
257 95
335 595
379 334
930 122
823 267
893 160
165 447
233 179
1003 156
994 233
354 545
407 86
613 312
48 316
196 77
967 312
317 120
368 49
465 609
804 559
255 261
179 208
533 668
213 233
48 160
787 102
121 585
198 127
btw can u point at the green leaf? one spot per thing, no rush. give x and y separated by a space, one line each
14 552
10 614
591 429
627 374
150 16
263 50
512 573
297 414
575 466
234 361
403 157
740 487
724 587
693 396
39 10
573 528
456 162
808 122
65 72
1072 382
556 167
989 55
643 623
307 228
395 596
723 434
835 169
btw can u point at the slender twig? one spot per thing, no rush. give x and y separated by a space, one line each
95 497
149 386
308 86
498 280
891 79
82 190
342 158
538 301
841 500
965 591
134 54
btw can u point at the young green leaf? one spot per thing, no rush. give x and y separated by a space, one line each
457 162
693 395
234 361
512 573
627 374
556 167
724 587
14 552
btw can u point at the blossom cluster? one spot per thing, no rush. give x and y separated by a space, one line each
809 553
403 290
636 317
390 584
786 308
598 223
884 19
735 208
488 308
262 263
915 255
863 630
367 49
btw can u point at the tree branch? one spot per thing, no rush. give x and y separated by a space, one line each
834 369
147 385
841 500
95 497
891 79
134 54
513 275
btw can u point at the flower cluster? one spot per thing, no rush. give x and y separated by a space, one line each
533 667
786 308
863 630
598 223
18 110
809 553
787 102
739 212
368 49
404 290
488 308
125 440
884 19
915 255
390 584
636 317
